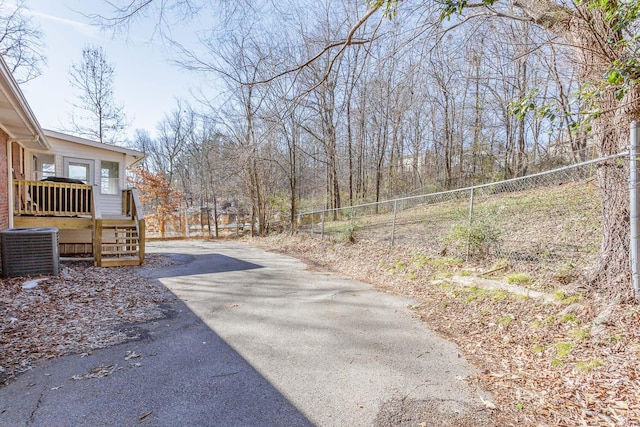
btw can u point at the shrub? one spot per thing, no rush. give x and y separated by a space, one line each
480 236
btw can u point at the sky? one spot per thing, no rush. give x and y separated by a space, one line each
145 82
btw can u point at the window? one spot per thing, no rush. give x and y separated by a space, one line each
109 177
80 169
48 169
44 166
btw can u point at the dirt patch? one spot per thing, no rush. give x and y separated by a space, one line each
423 413
569 361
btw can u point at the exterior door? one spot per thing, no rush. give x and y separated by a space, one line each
81 169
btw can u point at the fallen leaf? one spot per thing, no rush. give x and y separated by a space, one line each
144 416
131 355
489 404
621 405
97 372
82 307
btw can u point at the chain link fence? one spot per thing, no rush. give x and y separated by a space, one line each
547 224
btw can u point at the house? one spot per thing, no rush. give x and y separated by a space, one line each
50 179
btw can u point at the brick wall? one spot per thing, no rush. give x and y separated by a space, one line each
17 160
4 184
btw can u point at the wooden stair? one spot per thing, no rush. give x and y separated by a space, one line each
118 243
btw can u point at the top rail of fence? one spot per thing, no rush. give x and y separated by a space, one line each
474 187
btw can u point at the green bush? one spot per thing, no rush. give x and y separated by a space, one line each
480 236
347 232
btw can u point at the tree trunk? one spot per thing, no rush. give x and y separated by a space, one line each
612 271
592 37
161 221
215 217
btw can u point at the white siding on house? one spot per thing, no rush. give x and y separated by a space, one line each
109 204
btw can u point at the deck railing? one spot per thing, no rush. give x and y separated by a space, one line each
52 198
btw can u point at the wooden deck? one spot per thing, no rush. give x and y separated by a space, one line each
115 240
45 198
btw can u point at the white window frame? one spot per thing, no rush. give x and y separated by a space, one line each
90 163
38 167
117 178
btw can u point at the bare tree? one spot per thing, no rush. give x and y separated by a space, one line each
21 42
599 43
175 133
100 117
604 44
142 141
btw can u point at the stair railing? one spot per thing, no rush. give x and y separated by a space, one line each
97 232
132 208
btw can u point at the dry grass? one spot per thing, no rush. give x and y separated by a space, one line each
569 362
551 232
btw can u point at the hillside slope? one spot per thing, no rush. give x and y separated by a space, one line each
568 359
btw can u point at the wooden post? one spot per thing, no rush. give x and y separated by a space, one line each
186 223
215 216
141 237
97 243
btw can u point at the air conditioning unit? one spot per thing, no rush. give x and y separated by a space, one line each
29 252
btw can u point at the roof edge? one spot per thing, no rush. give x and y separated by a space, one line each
14 95
95 144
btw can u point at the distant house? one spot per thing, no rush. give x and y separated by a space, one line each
50 179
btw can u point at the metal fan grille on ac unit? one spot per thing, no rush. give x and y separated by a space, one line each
29 252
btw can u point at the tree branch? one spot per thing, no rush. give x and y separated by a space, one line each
547 13
348 41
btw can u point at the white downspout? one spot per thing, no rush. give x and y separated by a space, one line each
10 180
11 197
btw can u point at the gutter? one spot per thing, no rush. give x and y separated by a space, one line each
15 97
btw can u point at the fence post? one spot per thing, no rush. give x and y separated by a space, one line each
312 215
186 224
470 222
322 230
634 199
393 224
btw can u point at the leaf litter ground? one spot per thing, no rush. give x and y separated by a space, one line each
569 360
81 310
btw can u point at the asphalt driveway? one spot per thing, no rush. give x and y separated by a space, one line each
256 340
337 349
